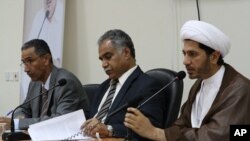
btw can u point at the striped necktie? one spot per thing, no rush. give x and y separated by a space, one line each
106 105
45 102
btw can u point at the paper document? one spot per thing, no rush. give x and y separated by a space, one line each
65 127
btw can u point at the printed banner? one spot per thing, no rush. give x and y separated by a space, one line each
43 19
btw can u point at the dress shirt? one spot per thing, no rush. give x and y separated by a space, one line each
206 95
119 85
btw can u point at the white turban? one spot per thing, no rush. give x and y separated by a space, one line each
206 34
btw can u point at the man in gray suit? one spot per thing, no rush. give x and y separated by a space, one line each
37 63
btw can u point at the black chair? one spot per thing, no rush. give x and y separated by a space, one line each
90 89
173 92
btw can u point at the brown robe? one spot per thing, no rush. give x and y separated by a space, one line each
231 106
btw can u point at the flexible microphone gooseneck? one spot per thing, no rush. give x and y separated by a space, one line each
134 102
61 82
46 16
180 75
131 103
21 135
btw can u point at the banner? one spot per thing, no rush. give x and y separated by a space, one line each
44 19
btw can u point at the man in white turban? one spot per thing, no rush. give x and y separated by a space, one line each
206 34
220 97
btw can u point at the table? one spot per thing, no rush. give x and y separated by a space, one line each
103 139
106 139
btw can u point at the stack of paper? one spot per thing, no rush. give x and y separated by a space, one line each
65 127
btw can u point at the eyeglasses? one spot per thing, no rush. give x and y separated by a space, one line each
28 61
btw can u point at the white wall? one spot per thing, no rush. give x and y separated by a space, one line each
150 24
232 17
11 31
153 25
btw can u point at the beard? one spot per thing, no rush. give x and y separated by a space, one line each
200 72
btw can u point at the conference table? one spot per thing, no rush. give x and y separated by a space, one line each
102 139
92 139
106 139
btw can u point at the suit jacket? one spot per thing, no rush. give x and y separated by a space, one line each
231 106
138 83
62 100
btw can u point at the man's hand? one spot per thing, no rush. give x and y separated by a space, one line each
140 124
92 127
7 121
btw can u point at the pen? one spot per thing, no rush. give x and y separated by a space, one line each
9 113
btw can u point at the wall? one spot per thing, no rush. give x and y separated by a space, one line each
153 25
11 31
150 24
232 17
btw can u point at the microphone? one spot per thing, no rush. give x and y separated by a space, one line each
46 16
20 135
179 76
134 102
131 103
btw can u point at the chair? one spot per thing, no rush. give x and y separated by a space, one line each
173 92
90 90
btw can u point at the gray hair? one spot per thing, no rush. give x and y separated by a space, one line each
119 39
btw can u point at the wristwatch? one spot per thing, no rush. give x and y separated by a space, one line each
110 129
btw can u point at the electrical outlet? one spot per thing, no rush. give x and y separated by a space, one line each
11 76
7 76
16 76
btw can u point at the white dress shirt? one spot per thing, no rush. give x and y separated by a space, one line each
205 97
119 85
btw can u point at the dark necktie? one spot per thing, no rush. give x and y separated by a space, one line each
106 105
44 102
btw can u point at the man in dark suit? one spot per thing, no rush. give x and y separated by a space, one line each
117 54
37 63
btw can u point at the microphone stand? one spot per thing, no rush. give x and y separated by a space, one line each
132 103
129 136
180 76
14 136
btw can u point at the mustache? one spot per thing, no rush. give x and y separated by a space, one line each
106 69
188 67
